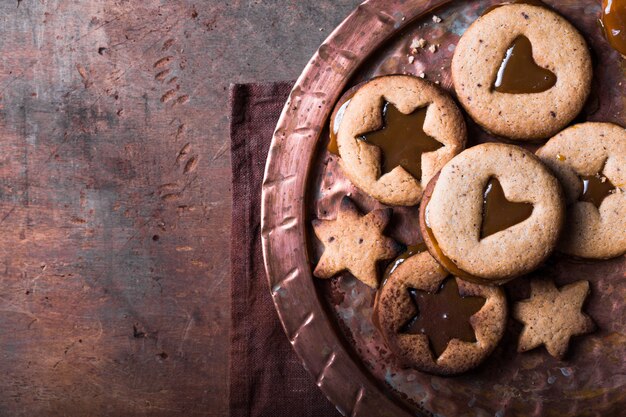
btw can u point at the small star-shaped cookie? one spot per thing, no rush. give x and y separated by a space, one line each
552 316
355 243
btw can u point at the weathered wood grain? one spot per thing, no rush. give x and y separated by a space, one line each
115 195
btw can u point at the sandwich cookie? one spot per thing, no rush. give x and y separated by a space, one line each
494 212
394 134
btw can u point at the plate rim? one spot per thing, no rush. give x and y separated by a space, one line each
337 373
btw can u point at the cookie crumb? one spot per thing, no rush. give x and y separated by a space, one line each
411 59
418 43
436 19
433 48
422 75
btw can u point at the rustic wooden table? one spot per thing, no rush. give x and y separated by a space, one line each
115 195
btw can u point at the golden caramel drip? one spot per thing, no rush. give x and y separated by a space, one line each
498 212
337 116
595 189
335 122
519 73
441 257
402 140
614 23
443 316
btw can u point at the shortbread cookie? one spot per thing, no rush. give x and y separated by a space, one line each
436 323
522 71
494 213
395 134
354 243
590 161
552 316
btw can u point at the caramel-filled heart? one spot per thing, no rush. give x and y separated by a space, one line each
402 140
443 316
498 212
519 74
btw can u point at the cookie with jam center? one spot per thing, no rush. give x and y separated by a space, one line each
395 133
435 322
590 161
522 71
493 213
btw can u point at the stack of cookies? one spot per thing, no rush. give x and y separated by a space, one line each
490 213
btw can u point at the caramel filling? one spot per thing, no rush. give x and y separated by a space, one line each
614 23
441 257
443 315
595 189
402 140
410 251
519 74
498 212
335 122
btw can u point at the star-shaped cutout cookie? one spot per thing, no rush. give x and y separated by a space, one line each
355 243
552 316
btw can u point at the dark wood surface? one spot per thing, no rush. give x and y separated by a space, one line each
115 195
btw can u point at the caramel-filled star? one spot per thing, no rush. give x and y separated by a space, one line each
552 316
443 315
402 140
596 188
354 243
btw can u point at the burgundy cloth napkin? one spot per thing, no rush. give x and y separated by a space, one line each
266 376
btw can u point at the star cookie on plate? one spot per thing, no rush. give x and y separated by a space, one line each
355 243
552 316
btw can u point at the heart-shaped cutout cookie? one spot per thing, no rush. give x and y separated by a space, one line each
519 73
498 212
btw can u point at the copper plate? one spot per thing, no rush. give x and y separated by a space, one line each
329 321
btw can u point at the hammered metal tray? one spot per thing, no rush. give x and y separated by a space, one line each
329 321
